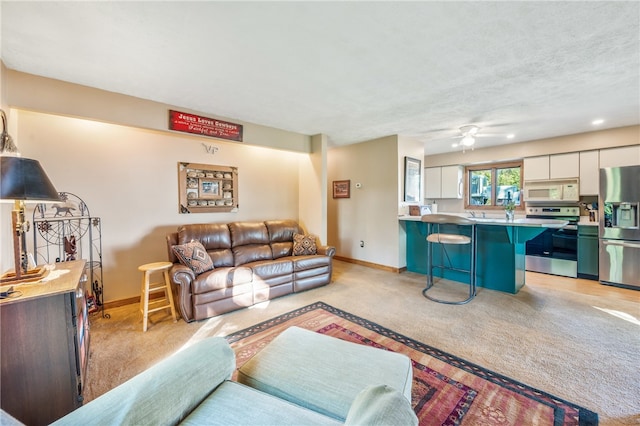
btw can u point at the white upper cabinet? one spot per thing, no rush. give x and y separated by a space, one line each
557 166
589 173
620 157
433 182
443 182
536 168
562 166
452 182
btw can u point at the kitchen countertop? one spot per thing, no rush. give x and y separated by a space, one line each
545 223
584 221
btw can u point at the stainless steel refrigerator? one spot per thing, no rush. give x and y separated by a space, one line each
619 205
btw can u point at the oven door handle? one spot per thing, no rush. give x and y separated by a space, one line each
620 243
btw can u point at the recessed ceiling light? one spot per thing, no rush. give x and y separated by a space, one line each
597 122
511 136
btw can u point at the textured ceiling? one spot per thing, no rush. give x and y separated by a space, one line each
351 70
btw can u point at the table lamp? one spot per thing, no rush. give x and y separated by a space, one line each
21 179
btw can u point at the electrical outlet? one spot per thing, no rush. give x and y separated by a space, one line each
361 243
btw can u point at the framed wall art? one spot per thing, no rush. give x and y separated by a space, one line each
207 188
341 189
210 188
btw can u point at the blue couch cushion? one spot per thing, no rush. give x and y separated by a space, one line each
163 394
323 373
235 404
381 405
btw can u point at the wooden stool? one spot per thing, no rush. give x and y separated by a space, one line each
147 288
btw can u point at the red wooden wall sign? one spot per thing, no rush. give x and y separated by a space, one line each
190 123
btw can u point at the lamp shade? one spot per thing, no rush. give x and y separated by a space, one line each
24 179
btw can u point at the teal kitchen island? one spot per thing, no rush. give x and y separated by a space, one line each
500 259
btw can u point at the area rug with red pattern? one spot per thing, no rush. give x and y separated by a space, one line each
447 390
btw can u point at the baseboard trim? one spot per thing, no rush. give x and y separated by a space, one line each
370 264
131 300
121 302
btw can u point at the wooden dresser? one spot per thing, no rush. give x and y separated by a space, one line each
44 343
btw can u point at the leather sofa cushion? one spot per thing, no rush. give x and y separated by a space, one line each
281 234
275 268
221 278
282 249
243 233
211 235
282 230
234 295
303 263
251 253
215 238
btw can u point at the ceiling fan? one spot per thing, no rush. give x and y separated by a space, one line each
468 136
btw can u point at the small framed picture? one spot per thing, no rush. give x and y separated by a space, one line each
341 189
210 189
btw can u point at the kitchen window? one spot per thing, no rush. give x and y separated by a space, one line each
492 186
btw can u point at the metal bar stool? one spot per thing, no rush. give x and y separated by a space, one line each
434 221
147 288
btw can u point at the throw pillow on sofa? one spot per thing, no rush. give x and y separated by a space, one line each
304 245
195 256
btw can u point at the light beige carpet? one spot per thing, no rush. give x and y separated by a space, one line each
585 349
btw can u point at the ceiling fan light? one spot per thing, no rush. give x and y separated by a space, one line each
468 140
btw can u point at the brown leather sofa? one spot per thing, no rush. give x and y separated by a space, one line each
253 262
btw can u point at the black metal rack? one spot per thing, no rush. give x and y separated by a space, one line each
66 231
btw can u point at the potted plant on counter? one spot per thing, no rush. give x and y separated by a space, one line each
509 208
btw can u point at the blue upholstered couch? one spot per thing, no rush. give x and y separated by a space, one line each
194 387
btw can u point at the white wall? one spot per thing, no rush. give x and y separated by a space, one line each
407 147
129 178
42 94
371 214
313 189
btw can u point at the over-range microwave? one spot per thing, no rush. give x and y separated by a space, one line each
551 190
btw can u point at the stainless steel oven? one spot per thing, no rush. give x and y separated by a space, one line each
555 250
